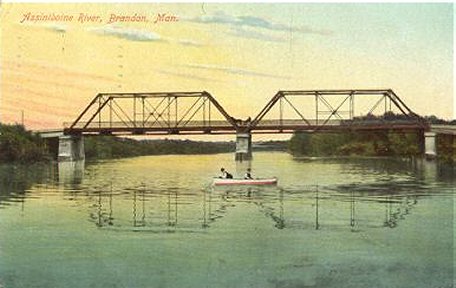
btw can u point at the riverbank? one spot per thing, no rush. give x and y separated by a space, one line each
446 148
369 144
107 147
379 143
19 145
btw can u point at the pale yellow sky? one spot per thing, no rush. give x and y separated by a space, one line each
241 53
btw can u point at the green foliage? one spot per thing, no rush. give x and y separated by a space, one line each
104 147
406 144
300 144
19 145
360 143
438 121
357 148
446 148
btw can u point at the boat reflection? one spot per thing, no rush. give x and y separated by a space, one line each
114 201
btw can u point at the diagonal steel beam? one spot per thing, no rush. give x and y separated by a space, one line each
120 117
188 111
98 111
155 110
335 111
266 109
376 104
297 111
329 106
126 115
160 114
196 110
85 110
220 109
394 95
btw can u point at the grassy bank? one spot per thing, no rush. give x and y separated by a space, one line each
446 148
386 143
20 145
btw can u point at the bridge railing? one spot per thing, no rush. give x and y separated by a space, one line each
331 122
295 122
265 124
149 124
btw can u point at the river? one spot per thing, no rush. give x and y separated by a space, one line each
156 221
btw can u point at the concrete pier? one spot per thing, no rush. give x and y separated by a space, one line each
71 148
430 151
243 146
71 172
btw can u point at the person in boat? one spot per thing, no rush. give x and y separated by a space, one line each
248 174
225 174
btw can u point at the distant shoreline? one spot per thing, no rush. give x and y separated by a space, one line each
17 145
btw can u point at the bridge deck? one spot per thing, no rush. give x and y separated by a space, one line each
223 127
444 129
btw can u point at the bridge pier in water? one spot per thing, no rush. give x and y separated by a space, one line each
243 146
430 151
71 148
71 172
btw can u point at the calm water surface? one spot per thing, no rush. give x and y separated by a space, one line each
156 222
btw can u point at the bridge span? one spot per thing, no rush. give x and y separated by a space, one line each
193 113
443 129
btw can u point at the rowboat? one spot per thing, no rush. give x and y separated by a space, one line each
240 181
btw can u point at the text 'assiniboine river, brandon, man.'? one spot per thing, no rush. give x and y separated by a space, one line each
93 18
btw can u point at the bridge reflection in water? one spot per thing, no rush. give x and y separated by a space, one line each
142 207
145 209
149 216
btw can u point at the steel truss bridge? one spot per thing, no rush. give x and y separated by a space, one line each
190 113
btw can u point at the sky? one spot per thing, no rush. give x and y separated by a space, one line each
241 53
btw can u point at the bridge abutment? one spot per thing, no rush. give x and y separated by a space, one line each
71 148
430 150
243 146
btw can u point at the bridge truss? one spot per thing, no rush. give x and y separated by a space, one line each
152 113
333 110
200 113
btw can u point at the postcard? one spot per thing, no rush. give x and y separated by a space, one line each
227 145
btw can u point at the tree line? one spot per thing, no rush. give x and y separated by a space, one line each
378 143
104 147
22 146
